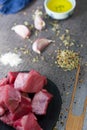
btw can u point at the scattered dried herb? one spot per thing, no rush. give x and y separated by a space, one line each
26 23
67 59
66 39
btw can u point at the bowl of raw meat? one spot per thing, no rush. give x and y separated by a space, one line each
28 100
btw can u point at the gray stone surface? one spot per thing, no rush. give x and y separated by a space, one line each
77 25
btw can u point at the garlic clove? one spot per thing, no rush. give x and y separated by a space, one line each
39 23
35 47
40 44
22 31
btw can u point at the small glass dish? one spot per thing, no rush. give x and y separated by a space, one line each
59 15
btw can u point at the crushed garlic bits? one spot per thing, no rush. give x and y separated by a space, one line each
67 59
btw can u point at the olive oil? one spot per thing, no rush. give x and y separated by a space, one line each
59 6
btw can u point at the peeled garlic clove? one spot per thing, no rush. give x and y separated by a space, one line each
22 31
39 23
40 44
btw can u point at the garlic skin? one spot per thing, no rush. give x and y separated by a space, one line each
39 23
22 31
40 44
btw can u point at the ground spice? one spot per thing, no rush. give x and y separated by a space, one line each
67 59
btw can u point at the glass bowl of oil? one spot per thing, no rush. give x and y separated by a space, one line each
59 9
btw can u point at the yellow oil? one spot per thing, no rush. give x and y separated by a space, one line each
59 6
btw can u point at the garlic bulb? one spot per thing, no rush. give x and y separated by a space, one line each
39 23
22 31
40 44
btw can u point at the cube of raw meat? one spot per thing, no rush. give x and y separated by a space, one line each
9 97
40 102
27 122
12 76
23 109
31 82
4 81
2 111
7 118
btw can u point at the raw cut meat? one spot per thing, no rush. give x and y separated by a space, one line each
27 122
40 102
21 96
3 81
7 118
23 109
9 97
31 82
12 76
2 110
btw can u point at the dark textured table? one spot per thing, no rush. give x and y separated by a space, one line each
45 63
